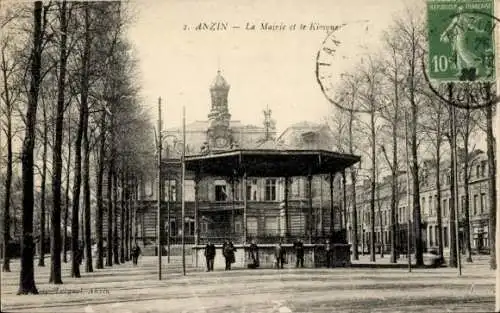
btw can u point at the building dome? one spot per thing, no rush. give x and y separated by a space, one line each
219 82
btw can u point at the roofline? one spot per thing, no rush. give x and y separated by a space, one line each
242 152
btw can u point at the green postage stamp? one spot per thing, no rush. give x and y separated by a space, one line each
461 40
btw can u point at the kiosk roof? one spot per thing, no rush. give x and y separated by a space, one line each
270 163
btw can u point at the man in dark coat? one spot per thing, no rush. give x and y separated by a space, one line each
329 254
279 253
254 255
210 256
136 251
228 252
299 253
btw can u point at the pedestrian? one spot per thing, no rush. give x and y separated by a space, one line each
329 254
136 251
299 253
254 255
279 253
228 252
210 256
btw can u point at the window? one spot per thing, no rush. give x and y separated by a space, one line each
478 170
483 203
475 204
166 189
189 190
252 190
431 239
431 210
237 227
483 168
220 190
270 190
445 205
423 207
148 188
462 211
237 191
188 227
204 227
294 188
252 226
173 227
435 201
271 226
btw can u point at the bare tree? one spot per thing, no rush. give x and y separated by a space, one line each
9 66
349 96
411 32
434 125
27 277
392 116
465 130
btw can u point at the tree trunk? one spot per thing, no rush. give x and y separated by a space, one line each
438 188
86 202
394 170
66 207
382 244
466 189
490 141
355 253
55 217
116 254
6 239
109 241
41 243
27 273
419 257
373 187
122 219
394 186
452 138
75 227
127 219
81 132
100 204
67 204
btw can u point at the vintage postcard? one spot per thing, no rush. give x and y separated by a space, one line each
249 156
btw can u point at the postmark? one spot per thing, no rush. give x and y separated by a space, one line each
330 53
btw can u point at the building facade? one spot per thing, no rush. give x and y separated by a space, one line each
478 208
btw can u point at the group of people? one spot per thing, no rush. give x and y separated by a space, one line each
228 251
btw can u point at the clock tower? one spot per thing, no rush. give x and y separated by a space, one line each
219 134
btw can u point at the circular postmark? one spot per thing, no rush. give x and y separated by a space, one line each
329 58
461 53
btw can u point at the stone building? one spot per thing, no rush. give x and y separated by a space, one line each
478 207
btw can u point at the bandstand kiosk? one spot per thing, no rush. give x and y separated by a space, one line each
239 164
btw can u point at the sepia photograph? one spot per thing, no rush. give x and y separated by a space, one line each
250 156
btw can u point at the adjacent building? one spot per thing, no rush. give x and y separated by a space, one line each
478 207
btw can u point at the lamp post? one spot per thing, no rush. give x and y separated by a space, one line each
183 173
158 216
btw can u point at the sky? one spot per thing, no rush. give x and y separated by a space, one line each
264 67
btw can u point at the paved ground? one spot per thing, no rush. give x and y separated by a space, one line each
125 289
